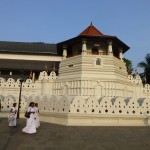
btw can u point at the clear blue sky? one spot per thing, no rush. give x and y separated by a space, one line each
53 21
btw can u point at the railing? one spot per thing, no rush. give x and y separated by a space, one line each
88 53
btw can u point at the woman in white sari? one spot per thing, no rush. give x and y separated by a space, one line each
12 116
37 121
30 127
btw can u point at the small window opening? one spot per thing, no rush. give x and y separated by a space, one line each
98 62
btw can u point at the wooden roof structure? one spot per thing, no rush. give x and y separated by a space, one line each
92 33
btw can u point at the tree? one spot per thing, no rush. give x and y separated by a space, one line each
128 65
146 66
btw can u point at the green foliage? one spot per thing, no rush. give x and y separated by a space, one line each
128 65
146 66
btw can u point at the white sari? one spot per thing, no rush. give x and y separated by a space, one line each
30 124
37 121
12 114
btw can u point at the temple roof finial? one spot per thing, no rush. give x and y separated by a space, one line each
91 23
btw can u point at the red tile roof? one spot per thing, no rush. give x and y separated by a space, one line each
91 31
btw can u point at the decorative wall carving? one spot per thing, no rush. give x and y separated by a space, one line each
69 99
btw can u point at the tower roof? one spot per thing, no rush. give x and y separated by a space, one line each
91 31
92 34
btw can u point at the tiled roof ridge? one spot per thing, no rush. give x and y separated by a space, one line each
14 42
27 47
91 31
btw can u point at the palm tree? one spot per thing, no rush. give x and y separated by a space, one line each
146 66
129 65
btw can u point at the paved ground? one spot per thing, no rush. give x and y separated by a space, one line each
57 137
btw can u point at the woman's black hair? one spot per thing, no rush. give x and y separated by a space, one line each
36 104
31 103
14 104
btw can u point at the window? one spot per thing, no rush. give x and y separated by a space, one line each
95 51
98 62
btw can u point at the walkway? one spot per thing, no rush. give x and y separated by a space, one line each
57 137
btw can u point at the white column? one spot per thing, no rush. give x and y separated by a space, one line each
33 77
10 73
120 54
110 52
84 49
64 52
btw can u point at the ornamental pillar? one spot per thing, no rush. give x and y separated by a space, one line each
84 49
110 51
33 77
10 73
64 51
120 53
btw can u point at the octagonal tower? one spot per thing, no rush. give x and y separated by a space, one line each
91 59
92 55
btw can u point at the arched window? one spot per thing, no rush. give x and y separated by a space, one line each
98 62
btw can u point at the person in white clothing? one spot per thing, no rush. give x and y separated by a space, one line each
12 116
37 121
30 127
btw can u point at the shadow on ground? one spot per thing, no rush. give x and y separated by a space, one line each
57 137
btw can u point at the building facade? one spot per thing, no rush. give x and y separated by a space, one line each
23 59
92 86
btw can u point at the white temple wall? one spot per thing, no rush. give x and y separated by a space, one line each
88 102
81 67
146 91
97 88
48 86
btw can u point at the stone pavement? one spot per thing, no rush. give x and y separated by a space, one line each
57 137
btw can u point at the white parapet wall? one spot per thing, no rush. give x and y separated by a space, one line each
111 103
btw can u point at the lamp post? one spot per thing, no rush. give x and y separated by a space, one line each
18 112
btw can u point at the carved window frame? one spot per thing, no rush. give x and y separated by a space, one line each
100 64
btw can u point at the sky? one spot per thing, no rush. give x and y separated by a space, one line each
53 21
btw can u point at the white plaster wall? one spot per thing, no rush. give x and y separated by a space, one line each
83 89
30 57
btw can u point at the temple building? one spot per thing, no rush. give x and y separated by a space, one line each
92 48
86 82
22 58
18 58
